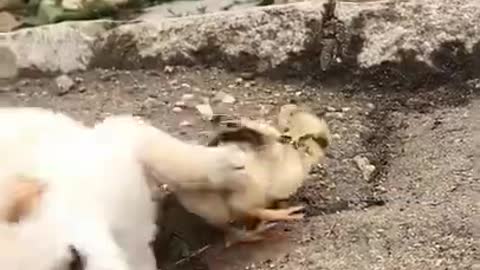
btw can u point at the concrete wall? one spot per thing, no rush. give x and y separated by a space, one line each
293 36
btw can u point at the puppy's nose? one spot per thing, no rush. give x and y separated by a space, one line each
78 261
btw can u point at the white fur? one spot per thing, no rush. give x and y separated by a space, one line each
97 193
173 161
35 245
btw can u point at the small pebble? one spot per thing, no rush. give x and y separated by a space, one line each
64 84
365 166
205 111
337 115
185 85
224 98
180 104
247 75
187 97
331 109
168 69
177 109
185 123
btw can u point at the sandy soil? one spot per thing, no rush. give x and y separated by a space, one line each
417 210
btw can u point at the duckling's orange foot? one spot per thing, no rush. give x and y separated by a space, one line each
236 236
264 226
280 214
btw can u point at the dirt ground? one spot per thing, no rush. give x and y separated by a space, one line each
418 209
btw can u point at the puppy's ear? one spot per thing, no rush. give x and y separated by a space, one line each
23 197
239 134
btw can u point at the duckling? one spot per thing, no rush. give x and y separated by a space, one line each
276 165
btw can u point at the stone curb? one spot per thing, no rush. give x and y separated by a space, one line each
362 34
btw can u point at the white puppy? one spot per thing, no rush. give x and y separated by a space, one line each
80 198
98 193
38 245
27 244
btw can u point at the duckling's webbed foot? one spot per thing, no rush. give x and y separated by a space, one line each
286 214
235 235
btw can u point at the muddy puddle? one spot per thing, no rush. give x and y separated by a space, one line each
361 202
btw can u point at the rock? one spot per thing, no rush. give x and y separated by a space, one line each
66 47
107 76
336 136
331 109
177 109
185 123
224 98
336 115
346 109
78 80
229 99
365 167
187 97
247 76
64 84
168 69
180 104
153 73
8 22
205 111
187 101
239 81
370 106
8 64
